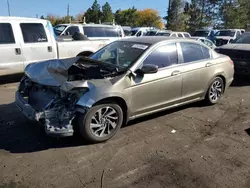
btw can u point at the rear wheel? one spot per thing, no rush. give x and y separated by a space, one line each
101 122
215 91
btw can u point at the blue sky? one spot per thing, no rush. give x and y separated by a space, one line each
29 8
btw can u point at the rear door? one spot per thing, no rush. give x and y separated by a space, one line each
37 43
12 58
197 68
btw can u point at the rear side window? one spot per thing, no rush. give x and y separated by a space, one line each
206 52
163 56
191 52
6 34
100 32
33 32
72 30
180 35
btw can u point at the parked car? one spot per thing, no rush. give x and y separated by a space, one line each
126 79
206 41
239 51
203 33
173 34
127 30
226 36
92 31
26 40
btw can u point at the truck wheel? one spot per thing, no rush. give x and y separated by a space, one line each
215 91
101 122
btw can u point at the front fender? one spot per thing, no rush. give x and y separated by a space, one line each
87 100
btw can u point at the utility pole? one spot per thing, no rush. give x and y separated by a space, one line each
8 4
68 14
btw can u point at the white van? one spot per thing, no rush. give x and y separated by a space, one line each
27 40
92 31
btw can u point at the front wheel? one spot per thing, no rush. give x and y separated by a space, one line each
215 91
101 122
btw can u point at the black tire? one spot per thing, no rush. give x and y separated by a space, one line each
84 121
213 100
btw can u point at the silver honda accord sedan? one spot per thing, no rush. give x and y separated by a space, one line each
126 79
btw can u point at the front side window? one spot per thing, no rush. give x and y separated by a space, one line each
186 35
163 56
33 33
6 34
191 52
72 30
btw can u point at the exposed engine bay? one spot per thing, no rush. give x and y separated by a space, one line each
52 93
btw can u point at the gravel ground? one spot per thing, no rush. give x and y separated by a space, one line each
194 146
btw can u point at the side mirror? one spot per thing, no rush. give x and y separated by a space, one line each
147 69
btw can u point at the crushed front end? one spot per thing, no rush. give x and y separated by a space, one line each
49 105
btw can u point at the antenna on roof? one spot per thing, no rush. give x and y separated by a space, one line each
8 4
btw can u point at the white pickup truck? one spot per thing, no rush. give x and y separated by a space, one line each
27 40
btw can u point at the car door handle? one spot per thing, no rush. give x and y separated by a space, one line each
209 64
49 48
18 51
175 73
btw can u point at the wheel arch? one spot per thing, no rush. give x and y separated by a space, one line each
220 75
118 100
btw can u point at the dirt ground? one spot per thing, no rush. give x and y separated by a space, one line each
209 149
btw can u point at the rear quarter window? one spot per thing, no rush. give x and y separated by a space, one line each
33 32
6 34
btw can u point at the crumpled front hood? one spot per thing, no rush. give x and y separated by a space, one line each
51 72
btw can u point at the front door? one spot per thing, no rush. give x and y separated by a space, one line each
37 46
12 58
152 92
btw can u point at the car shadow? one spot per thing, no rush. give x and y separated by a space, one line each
10 78
241 80
20 135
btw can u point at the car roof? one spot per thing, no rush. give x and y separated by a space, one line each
22 19
90 25
153 39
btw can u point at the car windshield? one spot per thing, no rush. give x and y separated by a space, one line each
120 53
133 32
244 39
201 33
59 29
225 33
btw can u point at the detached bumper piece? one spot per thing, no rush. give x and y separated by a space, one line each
57 121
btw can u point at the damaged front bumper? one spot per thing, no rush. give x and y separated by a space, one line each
57 121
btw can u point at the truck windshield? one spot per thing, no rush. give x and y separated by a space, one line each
244 39
201 33
59 29
121 53
225 33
